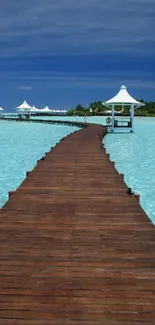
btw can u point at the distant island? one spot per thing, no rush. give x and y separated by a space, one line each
97 108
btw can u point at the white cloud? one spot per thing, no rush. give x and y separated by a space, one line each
113 81
90 80
24 87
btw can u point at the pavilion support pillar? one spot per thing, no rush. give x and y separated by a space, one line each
132 118
113 117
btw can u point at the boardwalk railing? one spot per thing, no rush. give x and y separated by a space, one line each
31 120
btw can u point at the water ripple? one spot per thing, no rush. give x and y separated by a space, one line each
22 144
134 155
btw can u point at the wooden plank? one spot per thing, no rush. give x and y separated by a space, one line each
75 248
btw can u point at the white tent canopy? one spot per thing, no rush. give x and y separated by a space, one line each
34 109
46 109
1 109
123 97
25 105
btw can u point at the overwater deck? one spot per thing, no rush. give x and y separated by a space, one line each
75 248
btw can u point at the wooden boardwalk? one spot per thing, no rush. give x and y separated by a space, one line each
75 248
49 121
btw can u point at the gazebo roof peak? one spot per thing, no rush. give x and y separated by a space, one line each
123 97
24 105
46 109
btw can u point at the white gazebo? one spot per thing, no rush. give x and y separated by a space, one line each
34 109
1 109
24 107
64 111
45 110
58 111
122 99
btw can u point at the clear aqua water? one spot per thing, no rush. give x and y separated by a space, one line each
21 145
91 119
134 155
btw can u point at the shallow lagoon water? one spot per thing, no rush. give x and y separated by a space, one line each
91 119
21 145
134 154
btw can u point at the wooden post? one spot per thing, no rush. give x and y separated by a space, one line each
11 193
132 118
113 116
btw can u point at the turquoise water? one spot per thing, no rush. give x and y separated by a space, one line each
134 155
21 145
91 119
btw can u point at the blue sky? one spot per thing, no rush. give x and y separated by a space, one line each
61 53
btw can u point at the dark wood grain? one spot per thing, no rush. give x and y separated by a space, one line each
75 248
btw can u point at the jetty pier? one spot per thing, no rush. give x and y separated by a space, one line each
75 248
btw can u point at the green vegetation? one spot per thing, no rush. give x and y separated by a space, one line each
97 108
